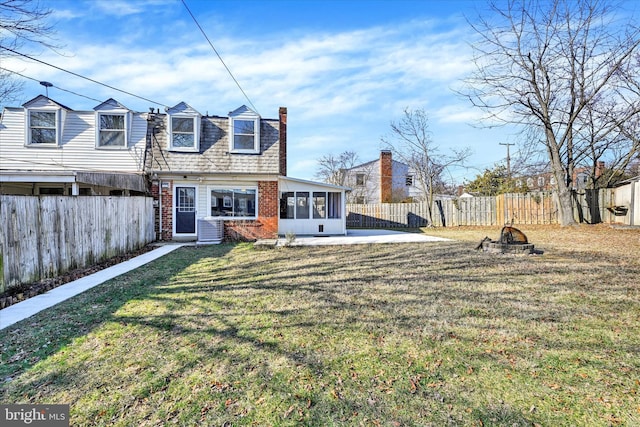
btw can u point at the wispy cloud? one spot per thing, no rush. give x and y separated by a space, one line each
121 8
356 81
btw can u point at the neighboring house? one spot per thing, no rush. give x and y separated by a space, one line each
383 180
48 148
211 176
545 181
540 182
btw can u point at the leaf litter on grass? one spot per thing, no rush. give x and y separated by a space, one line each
408 334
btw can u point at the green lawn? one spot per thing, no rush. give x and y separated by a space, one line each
391 335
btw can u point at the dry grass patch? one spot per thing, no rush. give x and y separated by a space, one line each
411 334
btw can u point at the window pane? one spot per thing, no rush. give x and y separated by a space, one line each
334 205
52 191
181 124
244 202
244 135
112 121
43 127
243 142
43 136
302 205
43 119
221 203
186 199
319 205
110 138
233 203
287 205
183 140
244 127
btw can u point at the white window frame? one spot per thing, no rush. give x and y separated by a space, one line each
57 128
126 119
196 132
256 134
232 203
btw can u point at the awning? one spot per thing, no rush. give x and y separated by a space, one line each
115 180
126 181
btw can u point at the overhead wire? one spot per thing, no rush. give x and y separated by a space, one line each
82 77
219 57
52 85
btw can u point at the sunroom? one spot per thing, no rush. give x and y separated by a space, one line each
310 208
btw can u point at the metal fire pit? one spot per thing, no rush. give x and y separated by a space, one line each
511 241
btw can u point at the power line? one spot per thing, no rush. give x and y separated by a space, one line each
57 87
81 76
219 57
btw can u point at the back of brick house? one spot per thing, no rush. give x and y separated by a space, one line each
216 167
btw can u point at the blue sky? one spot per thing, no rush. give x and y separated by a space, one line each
344 69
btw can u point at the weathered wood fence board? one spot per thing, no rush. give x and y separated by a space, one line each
45 236
531 208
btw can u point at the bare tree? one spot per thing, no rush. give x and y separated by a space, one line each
410 141
566 70
21 22
333 169
343 170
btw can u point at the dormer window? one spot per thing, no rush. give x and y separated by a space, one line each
112 130
182 132
113 121
44 122
244 131
183 128
43 127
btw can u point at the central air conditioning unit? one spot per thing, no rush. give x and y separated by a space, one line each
210 231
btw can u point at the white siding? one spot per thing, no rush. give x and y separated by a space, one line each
77 150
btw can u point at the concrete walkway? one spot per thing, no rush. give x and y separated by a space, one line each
359 237
31 306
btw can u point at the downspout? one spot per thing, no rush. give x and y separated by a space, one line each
160 211
632 203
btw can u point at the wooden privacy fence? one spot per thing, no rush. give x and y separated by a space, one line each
45 236
531 208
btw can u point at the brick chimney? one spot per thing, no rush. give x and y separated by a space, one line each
386 176
283 140
600 167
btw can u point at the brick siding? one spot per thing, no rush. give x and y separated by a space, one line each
167 211
266 226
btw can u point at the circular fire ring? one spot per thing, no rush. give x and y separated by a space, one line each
508 248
